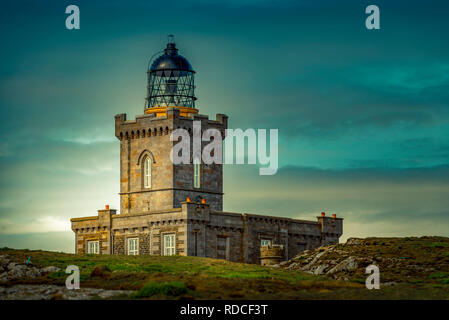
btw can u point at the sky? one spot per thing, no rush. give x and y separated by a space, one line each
363 115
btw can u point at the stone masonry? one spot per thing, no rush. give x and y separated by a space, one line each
170 209
200 228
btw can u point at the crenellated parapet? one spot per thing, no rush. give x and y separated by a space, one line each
149 125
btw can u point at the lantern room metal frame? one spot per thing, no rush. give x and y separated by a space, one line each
171 80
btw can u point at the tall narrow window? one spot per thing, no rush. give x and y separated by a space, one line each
147 173
196 173
169 244
133 246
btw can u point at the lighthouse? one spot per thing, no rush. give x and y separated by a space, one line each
149 181
168 208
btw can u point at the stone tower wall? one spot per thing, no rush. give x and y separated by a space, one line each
271 255
149 136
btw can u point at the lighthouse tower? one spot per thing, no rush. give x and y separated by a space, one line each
149 181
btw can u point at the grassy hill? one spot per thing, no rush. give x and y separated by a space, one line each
177 277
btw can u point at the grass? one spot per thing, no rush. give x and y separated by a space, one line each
179 277
172 288
439 275
439 245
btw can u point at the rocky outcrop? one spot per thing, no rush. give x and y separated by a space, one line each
409 259
51 292
10 270
324 261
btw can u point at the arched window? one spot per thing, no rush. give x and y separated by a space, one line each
196 173
147 172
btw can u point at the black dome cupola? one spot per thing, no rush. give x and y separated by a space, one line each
170 81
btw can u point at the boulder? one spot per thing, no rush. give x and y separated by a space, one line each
320 269
50 269
16 271
346 265
354 241
11 265
4 261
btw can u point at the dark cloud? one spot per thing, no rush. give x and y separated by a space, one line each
397 199
372 107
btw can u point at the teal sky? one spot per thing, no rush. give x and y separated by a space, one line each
363 116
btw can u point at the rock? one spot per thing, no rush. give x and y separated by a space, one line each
354 241
50 269
4 261
348 264
4 277
320 269
293 265
388 284
310 265
19 271
47 292
16 271
11 265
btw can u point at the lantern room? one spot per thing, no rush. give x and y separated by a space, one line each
170 83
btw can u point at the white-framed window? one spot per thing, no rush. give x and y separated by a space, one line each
93 247
169 244
265 242
196 173
133 246
147 172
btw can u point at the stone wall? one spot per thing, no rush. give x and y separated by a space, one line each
271 255
200 231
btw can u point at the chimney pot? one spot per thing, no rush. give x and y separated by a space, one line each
107 207
334 215
188 199
203 201
323 214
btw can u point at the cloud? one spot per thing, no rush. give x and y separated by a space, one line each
343 99
53 241
370 198
39 225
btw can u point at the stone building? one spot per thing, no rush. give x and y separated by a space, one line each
170 209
